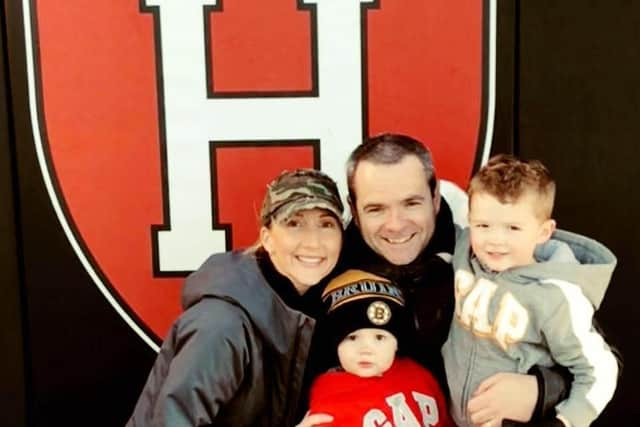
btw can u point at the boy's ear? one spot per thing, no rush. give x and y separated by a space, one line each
546 230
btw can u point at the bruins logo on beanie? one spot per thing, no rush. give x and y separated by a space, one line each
357 299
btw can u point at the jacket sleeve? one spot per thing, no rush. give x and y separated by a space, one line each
574 343
554 384
553 387
200 367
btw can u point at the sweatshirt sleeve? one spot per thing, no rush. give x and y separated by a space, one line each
200 367
574 343
330 394
429 383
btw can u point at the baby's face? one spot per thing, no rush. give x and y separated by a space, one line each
505 235
367 352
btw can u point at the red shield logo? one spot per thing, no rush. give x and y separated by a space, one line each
158 122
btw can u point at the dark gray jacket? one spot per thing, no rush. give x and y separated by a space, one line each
235 357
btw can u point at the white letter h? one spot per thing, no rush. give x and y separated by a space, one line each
192 120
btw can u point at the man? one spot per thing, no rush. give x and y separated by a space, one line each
403 230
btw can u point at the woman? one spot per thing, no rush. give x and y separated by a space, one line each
236 355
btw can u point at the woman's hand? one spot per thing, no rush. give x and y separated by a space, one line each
503 396
315 420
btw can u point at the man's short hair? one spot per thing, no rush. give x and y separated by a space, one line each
507 178
390 149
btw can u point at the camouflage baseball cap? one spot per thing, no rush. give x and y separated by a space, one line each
293 191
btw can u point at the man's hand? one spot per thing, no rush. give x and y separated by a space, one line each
503 396
315 420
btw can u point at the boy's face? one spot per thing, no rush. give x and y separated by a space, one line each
505 235
367 352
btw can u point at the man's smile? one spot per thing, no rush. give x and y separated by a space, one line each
398 240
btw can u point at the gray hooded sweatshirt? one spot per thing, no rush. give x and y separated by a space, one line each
538 314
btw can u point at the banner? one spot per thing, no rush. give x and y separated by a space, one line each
158 123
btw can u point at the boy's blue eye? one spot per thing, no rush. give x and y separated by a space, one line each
328 224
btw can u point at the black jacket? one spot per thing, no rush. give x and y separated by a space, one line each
236 355
428 284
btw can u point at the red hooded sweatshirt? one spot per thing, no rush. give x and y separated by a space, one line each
407 395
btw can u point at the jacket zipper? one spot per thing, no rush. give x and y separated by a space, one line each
465 388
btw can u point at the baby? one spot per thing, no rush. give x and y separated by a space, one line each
374 386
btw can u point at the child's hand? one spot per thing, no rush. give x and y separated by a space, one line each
503 396
315 420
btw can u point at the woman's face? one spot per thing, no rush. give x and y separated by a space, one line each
304 247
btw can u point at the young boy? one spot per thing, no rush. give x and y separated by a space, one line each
526 294
373 387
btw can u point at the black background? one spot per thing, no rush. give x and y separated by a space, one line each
568 94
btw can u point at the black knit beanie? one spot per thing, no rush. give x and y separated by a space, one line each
357 299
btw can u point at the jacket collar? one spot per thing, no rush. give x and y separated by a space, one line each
357 254
237 278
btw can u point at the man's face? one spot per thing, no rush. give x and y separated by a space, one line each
505 235
395 209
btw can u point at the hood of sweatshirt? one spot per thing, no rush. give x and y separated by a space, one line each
566 256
